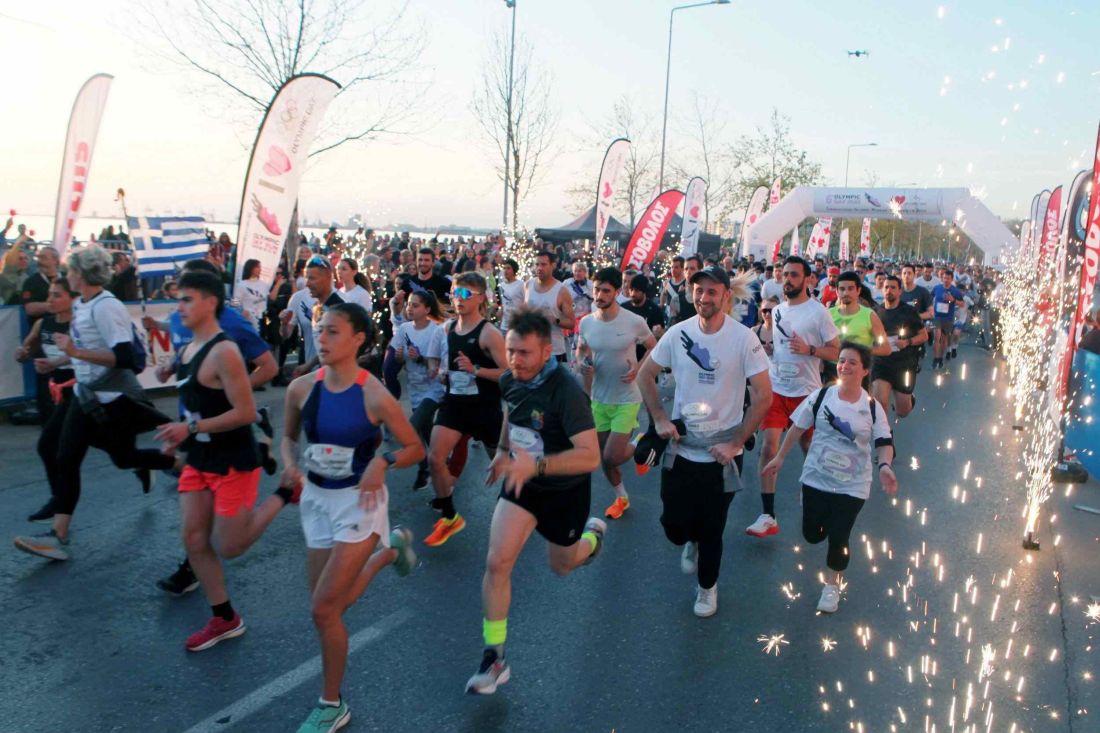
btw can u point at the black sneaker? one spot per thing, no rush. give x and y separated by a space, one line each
423 475
265 422
45 514
145 476
750 443
180 582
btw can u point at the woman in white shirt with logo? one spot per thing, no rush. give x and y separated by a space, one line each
836 475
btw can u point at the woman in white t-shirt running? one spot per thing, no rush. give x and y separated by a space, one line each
836 475
354 286
252 293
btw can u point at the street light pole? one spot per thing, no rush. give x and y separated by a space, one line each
668 73
848 160
508 111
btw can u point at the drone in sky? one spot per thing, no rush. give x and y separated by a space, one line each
859 54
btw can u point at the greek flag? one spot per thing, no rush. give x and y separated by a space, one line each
163 243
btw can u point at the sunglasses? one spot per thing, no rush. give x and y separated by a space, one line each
464 293
318 261
766 311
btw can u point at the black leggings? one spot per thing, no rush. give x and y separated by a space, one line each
70 433
832 516
423 420
695 505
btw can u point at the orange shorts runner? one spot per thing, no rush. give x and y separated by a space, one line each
779 414
232 491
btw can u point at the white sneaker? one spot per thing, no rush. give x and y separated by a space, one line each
764 525
830 599
689 559
706 601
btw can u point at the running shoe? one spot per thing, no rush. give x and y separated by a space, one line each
44 544
147 478
216 630
954 353
181 582
401 539
444 529
689 558
493 672
45 514
326 719
830 599
423 476
706 601
597 527
764 526
620 505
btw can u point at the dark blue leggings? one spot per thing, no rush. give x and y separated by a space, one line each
391 367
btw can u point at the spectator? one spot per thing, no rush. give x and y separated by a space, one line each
16 264
124 282
36 287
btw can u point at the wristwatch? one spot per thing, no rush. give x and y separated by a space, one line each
813 349
389 457
477 369
193 426
540 467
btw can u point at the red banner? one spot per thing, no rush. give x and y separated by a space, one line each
1049 241
1092 250
651 228
77 161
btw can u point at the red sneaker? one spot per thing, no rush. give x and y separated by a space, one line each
216 630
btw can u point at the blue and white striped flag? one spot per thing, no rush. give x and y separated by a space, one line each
163 243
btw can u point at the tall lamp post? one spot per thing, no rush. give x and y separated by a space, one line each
668 71
848 159
508 111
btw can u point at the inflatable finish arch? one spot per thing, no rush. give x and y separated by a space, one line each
912 204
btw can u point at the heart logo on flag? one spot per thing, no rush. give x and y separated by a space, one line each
277 161
899 200
752 219
607 190
694 212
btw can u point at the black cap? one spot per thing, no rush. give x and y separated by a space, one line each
715 273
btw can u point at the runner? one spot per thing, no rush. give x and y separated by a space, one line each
913 294
609 365
418 344
765 330
109 409
640 304
686 308
855 322
354 286
836 475
221 476
896 373
426 278
307 306
804 335
711 357
548 451
344 501
928 279
549 296
579 288
511 292
471 405
670 291
945 298
252 293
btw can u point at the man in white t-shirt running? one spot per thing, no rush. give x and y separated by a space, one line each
711 356
608 363
511 292
803 334
548 295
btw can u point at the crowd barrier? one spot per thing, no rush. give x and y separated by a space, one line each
17 380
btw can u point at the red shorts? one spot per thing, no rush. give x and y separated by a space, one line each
779 414
232 491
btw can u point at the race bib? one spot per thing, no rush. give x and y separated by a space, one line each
188 416
330 461
527 439
462 383
51 351
839 466
893 343
943 307
697 417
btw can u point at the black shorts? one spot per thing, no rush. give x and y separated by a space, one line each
477 418
944 325
560 516
895 376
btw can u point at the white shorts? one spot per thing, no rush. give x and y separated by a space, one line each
334 515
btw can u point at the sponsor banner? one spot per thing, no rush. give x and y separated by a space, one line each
796 246
865 239
814 241
773 194
651 228
1091 253
1071 262
694 201
77 158
1039 211
824 237
853 202
275 169
752 214
158 345
614 160
844 244
1048 242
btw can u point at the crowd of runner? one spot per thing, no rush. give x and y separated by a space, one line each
556 368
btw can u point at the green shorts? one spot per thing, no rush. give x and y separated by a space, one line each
615 418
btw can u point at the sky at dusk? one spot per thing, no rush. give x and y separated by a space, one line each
1001 98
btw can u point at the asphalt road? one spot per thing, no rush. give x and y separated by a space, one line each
946 624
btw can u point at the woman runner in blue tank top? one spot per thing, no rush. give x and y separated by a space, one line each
344 503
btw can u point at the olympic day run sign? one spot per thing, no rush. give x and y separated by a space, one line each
902 203
650 230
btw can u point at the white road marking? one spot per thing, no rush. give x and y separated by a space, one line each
231 715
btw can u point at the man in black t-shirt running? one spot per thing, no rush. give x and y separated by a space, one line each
897 371
547 452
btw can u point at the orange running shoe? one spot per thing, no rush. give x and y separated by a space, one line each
620 505
444 530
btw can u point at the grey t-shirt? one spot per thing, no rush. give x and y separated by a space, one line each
612 343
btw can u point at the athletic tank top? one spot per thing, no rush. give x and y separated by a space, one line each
212 452
548 303
856 327
342 439
51 327
464 385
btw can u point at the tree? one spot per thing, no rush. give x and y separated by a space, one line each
706 157
245 50
532 123
769 154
